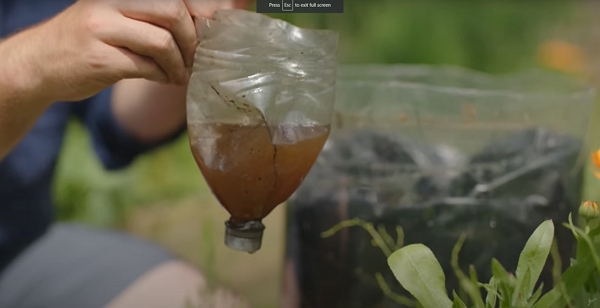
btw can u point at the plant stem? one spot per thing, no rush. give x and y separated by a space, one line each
387 251
403 300
556 262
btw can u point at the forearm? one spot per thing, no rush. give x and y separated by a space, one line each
147 110
23 98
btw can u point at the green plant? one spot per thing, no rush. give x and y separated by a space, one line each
416 263
383 240
420 273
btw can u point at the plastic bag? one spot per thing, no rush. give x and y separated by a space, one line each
439 151
260 102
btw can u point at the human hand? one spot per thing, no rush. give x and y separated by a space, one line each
206 8
151 111
96 43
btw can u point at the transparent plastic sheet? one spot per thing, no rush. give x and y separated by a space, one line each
259 106
439 151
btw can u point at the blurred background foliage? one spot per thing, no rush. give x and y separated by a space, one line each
491 36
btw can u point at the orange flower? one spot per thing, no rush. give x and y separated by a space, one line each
562 56
595 156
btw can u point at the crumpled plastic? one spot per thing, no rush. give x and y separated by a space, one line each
251 69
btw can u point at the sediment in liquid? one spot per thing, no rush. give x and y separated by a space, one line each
247 173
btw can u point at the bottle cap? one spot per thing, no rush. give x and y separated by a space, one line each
246 237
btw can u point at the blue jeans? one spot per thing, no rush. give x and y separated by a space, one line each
74 266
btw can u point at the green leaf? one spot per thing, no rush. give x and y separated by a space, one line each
571 280
591 247
553 298
503 282
590 285
419 272
536 295
473 287
521 292
595 232
565 294
556 262
533 257
492 293
572 262
500 274
571 227
458 303
473 274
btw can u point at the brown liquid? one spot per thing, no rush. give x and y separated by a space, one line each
247 173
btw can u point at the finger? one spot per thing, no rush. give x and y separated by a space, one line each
207 8
148 40
172 15
242 4
131 65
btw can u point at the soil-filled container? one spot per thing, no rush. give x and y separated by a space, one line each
439 151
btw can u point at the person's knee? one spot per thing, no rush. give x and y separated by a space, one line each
171 284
